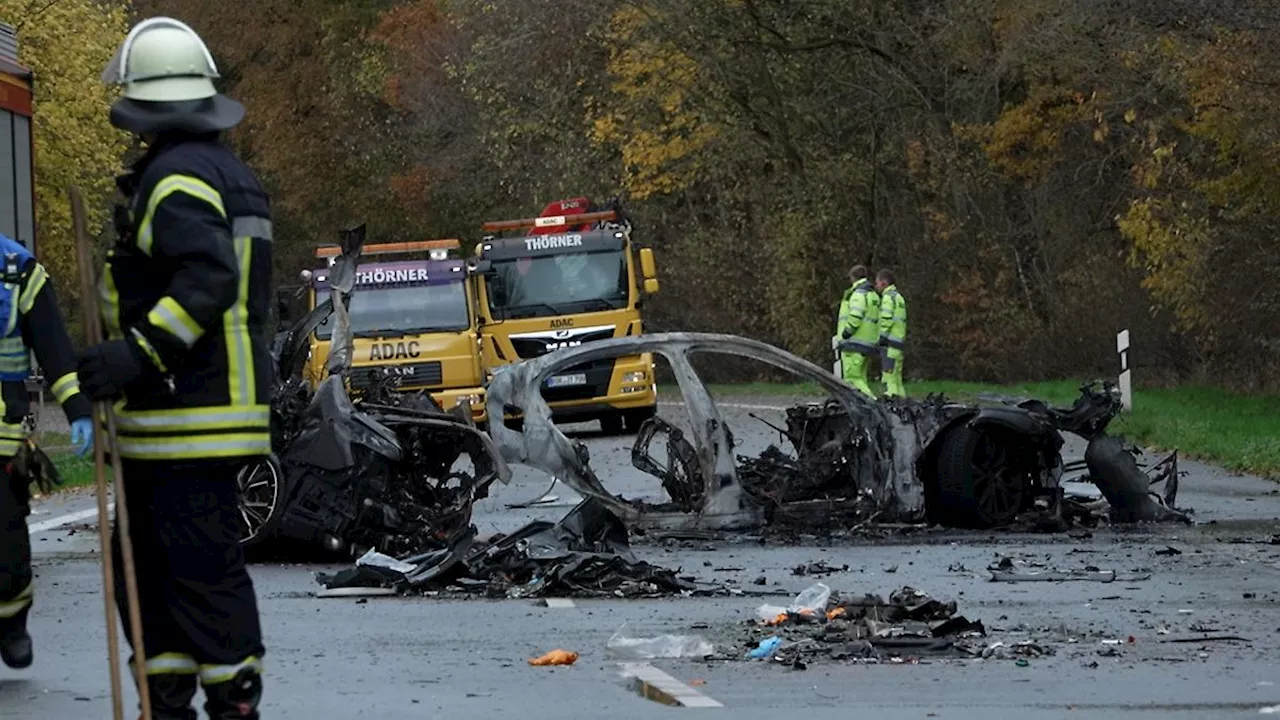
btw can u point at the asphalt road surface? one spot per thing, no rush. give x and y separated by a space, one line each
422 657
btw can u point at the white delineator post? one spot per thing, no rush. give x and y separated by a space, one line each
1126 381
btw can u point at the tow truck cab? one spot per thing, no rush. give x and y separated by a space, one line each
409 317
564 278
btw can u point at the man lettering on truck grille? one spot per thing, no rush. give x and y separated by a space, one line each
187 290
858 329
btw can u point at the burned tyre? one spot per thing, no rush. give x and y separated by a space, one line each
982 480
261 485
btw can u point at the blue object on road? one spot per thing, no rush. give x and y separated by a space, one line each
766 648
82 435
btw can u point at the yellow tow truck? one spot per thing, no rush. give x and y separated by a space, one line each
410 317
567 277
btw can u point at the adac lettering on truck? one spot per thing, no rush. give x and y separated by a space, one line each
395 350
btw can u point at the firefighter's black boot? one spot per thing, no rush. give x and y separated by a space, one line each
15 642
171 696
235 700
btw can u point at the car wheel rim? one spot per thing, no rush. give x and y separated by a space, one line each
259 495
997 485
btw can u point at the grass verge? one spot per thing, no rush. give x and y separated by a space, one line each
76 471
1238 432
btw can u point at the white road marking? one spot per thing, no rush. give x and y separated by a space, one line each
558 603
735 406
61 520
661 687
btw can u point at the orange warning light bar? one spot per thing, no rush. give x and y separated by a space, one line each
551 221
328 251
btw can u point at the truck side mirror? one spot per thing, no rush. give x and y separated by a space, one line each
648 266
649 270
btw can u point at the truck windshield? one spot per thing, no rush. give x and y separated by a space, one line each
400 310
558 284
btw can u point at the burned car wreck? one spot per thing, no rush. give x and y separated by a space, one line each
854 461
376 472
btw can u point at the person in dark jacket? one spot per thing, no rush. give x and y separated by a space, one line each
30 320
186 303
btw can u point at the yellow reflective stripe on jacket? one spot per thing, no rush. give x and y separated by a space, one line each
194 419
192 433
10 608
110 297
145 345
235 327
66 386
216 674
192 186
169 315
35 282
15 357
171 664
196 446
12 435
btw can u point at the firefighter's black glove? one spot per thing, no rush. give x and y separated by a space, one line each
107 369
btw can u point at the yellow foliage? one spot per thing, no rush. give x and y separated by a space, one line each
650 116
1174 248
67 44
1025 142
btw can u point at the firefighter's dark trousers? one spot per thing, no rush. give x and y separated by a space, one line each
16 587
199 610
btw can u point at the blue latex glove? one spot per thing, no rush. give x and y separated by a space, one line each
82 435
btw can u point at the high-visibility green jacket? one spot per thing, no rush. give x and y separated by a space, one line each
857 326
189 283
893 318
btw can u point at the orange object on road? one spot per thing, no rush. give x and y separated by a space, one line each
556 657
835 612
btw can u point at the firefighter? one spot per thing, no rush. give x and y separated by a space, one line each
893 333
857 329
186 299
32 321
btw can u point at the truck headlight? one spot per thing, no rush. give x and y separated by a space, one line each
638 376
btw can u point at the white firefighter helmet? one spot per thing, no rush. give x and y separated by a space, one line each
167 73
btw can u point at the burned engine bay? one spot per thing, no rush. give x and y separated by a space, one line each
380 471
852 461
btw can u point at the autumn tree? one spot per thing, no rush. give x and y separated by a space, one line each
67 44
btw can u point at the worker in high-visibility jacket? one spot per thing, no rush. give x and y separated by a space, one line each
186 298
858 329
31 321
893 333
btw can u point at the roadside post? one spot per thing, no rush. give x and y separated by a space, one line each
1126 381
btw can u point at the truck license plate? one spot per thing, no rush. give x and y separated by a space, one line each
564 380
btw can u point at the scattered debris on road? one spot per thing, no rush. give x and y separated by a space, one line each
1010 569
664 646
555 657
910 624
585 554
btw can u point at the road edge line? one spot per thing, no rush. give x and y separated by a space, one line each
654 684
732 406
63 520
